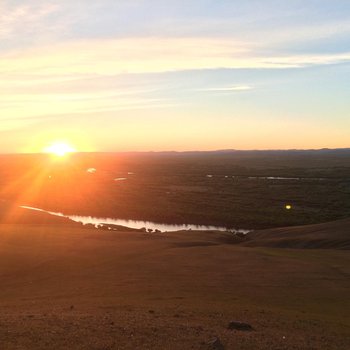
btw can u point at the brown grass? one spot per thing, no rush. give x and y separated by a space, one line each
69 287
330 235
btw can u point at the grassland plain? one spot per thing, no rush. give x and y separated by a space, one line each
66 286
245 189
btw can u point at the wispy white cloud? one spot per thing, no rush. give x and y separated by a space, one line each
32 79
52 52
279 23
33 106
150 55
229 88
21 20
264 31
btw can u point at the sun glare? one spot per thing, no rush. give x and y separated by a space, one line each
59 149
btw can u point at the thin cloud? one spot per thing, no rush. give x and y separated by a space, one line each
151 55
16 19
43 68
228 88
17 107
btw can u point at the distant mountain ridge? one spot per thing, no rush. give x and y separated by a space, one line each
218 151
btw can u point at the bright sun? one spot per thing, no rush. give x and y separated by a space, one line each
59 149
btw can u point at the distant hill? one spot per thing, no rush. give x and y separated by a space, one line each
275 151
330 235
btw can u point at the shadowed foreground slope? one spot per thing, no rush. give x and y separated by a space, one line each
71 287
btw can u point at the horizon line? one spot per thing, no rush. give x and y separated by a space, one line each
228 150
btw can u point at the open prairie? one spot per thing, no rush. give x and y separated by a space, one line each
64 286
174 175
229 188
69 286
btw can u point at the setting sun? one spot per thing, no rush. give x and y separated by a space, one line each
59 149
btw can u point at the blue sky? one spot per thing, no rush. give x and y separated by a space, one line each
174 75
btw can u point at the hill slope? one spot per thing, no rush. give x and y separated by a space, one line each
330 235
71 287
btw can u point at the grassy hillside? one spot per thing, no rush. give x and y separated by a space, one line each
330 235
70 287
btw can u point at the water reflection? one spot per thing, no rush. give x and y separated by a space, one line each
136 224
280 178
120 179
268 177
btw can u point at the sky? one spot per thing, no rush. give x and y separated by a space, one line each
156 75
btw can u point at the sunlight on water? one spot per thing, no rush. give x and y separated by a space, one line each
120 179
136 224
280 178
